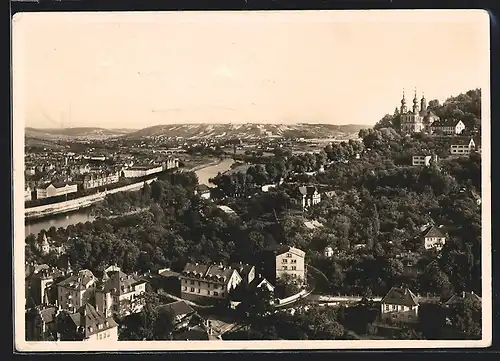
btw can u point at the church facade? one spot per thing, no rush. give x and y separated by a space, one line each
419 118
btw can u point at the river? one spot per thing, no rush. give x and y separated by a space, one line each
83 215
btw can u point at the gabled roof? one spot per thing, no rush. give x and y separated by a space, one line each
280 249
446 123
177 308
214 273
307 190
243 268
400 296
433 232
78 281
461 140
48 314
89 319
457 298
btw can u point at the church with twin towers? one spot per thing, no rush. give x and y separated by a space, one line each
417 119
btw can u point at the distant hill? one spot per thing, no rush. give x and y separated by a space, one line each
247 131
79 133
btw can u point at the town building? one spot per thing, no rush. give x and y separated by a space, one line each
246 271
87 324
179 312
434 238
448 126
76 290
141 171
464 146
424 160
399 305
202 282
308 196
55 189
40 323
203 191
40 285
418 119
283 260
119 293
94 180
171 163
461 297
27 194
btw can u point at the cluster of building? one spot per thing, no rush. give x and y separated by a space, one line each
401 305
85 302
68 179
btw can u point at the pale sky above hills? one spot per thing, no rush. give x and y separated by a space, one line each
133 70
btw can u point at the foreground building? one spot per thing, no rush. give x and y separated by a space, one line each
207 283
75 291
399 305
448 126
86 324
119 293
284 260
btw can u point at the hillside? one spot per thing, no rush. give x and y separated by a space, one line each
75 133
246 131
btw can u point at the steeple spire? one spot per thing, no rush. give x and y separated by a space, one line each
403 103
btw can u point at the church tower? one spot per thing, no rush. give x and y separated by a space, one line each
423 103
416 109
403 104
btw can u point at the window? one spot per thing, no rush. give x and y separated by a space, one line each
216 293
198 290
387 307
294 261
294 268
185 281
192 282
284 260
285 268
208 292
192 289
289 255
185 288
222 294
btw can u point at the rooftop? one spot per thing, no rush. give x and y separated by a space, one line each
400 296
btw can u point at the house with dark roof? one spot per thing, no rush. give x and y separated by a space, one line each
448 126
205 282
40 323
203 191
87 324
119 293
464 145
40 285
461 297
246 271
179 312
399 305
308 196
434 238
76 290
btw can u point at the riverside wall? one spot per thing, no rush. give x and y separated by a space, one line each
83 202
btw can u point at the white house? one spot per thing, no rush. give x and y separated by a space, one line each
448 126
434 238
424 160
399 305
119 293
55 189
308 196
463 146
75 291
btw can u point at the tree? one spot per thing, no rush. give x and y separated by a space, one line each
465 316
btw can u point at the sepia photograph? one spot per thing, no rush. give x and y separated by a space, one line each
260 180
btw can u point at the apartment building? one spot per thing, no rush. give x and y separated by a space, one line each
87 324
208 282
463 146
100 179
119 293
283 260
55 189
448 126
76 290
141 171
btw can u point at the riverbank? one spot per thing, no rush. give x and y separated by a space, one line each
79 203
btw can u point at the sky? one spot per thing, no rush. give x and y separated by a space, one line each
133 70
